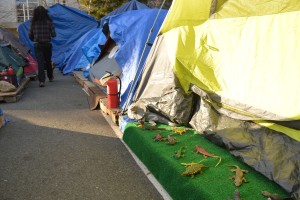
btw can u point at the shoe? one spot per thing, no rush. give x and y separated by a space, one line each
42 84
51 79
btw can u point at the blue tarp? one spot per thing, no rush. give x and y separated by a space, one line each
130 31
70 24
87 48
79 34
131 5
84 51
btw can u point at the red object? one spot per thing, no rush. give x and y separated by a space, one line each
112 93
4 72
32 68
4 75
11 73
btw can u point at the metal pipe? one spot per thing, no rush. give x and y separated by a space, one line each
27 9
24 13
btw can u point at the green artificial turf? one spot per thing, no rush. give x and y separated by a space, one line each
213 184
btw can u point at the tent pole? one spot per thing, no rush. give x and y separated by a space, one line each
127 101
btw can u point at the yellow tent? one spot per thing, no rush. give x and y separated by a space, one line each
245 53
241 58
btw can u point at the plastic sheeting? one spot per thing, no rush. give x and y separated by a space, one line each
21 49
257 51
159 88
106 63
225 46
84 51
130 31
14 42
70 24
186 12
8 56
241 8
238 58
131 5
272 153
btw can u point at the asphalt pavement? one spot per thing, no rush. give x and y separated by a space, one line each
55 148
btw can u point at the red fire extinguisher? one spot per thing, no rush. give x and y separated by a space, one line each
113 94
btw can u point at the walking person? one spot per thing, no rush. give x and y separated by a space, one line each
41 32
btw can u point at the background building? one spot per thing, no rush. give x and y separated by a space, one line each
14 12
8 13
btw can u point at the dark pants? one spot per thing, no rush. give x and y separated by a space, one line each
43 53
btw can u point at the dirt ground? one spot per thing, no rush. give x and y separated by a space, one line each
54 147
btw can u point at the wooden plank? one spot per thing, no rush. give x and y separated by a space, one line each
94 94
97 97
112 112
78 75
10 97
94 89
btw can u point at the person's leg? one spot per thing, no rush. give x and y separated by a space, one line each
40 60
48 55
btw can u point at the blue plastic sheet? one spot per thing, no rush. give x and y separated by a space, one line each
130 31
84 51
131 5
70 24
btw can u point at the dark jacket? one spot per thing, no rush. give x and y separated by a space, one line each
41 31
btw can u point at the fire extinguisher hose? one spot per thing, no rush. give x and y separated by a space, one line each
120 86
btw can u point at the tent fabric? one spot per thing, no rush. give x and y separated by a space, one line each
195 13
9 57
240 8
84 51
131 5
182 13
159 88
21 49
106 63
195 47
130 31
245 67
225 46
273 154
14 41
70 24
153 80
100 69
91 49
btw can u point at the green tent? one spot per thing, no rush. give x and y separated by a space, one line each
8 57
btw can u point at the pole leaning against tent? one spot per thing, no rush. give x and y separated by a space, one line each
127 101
